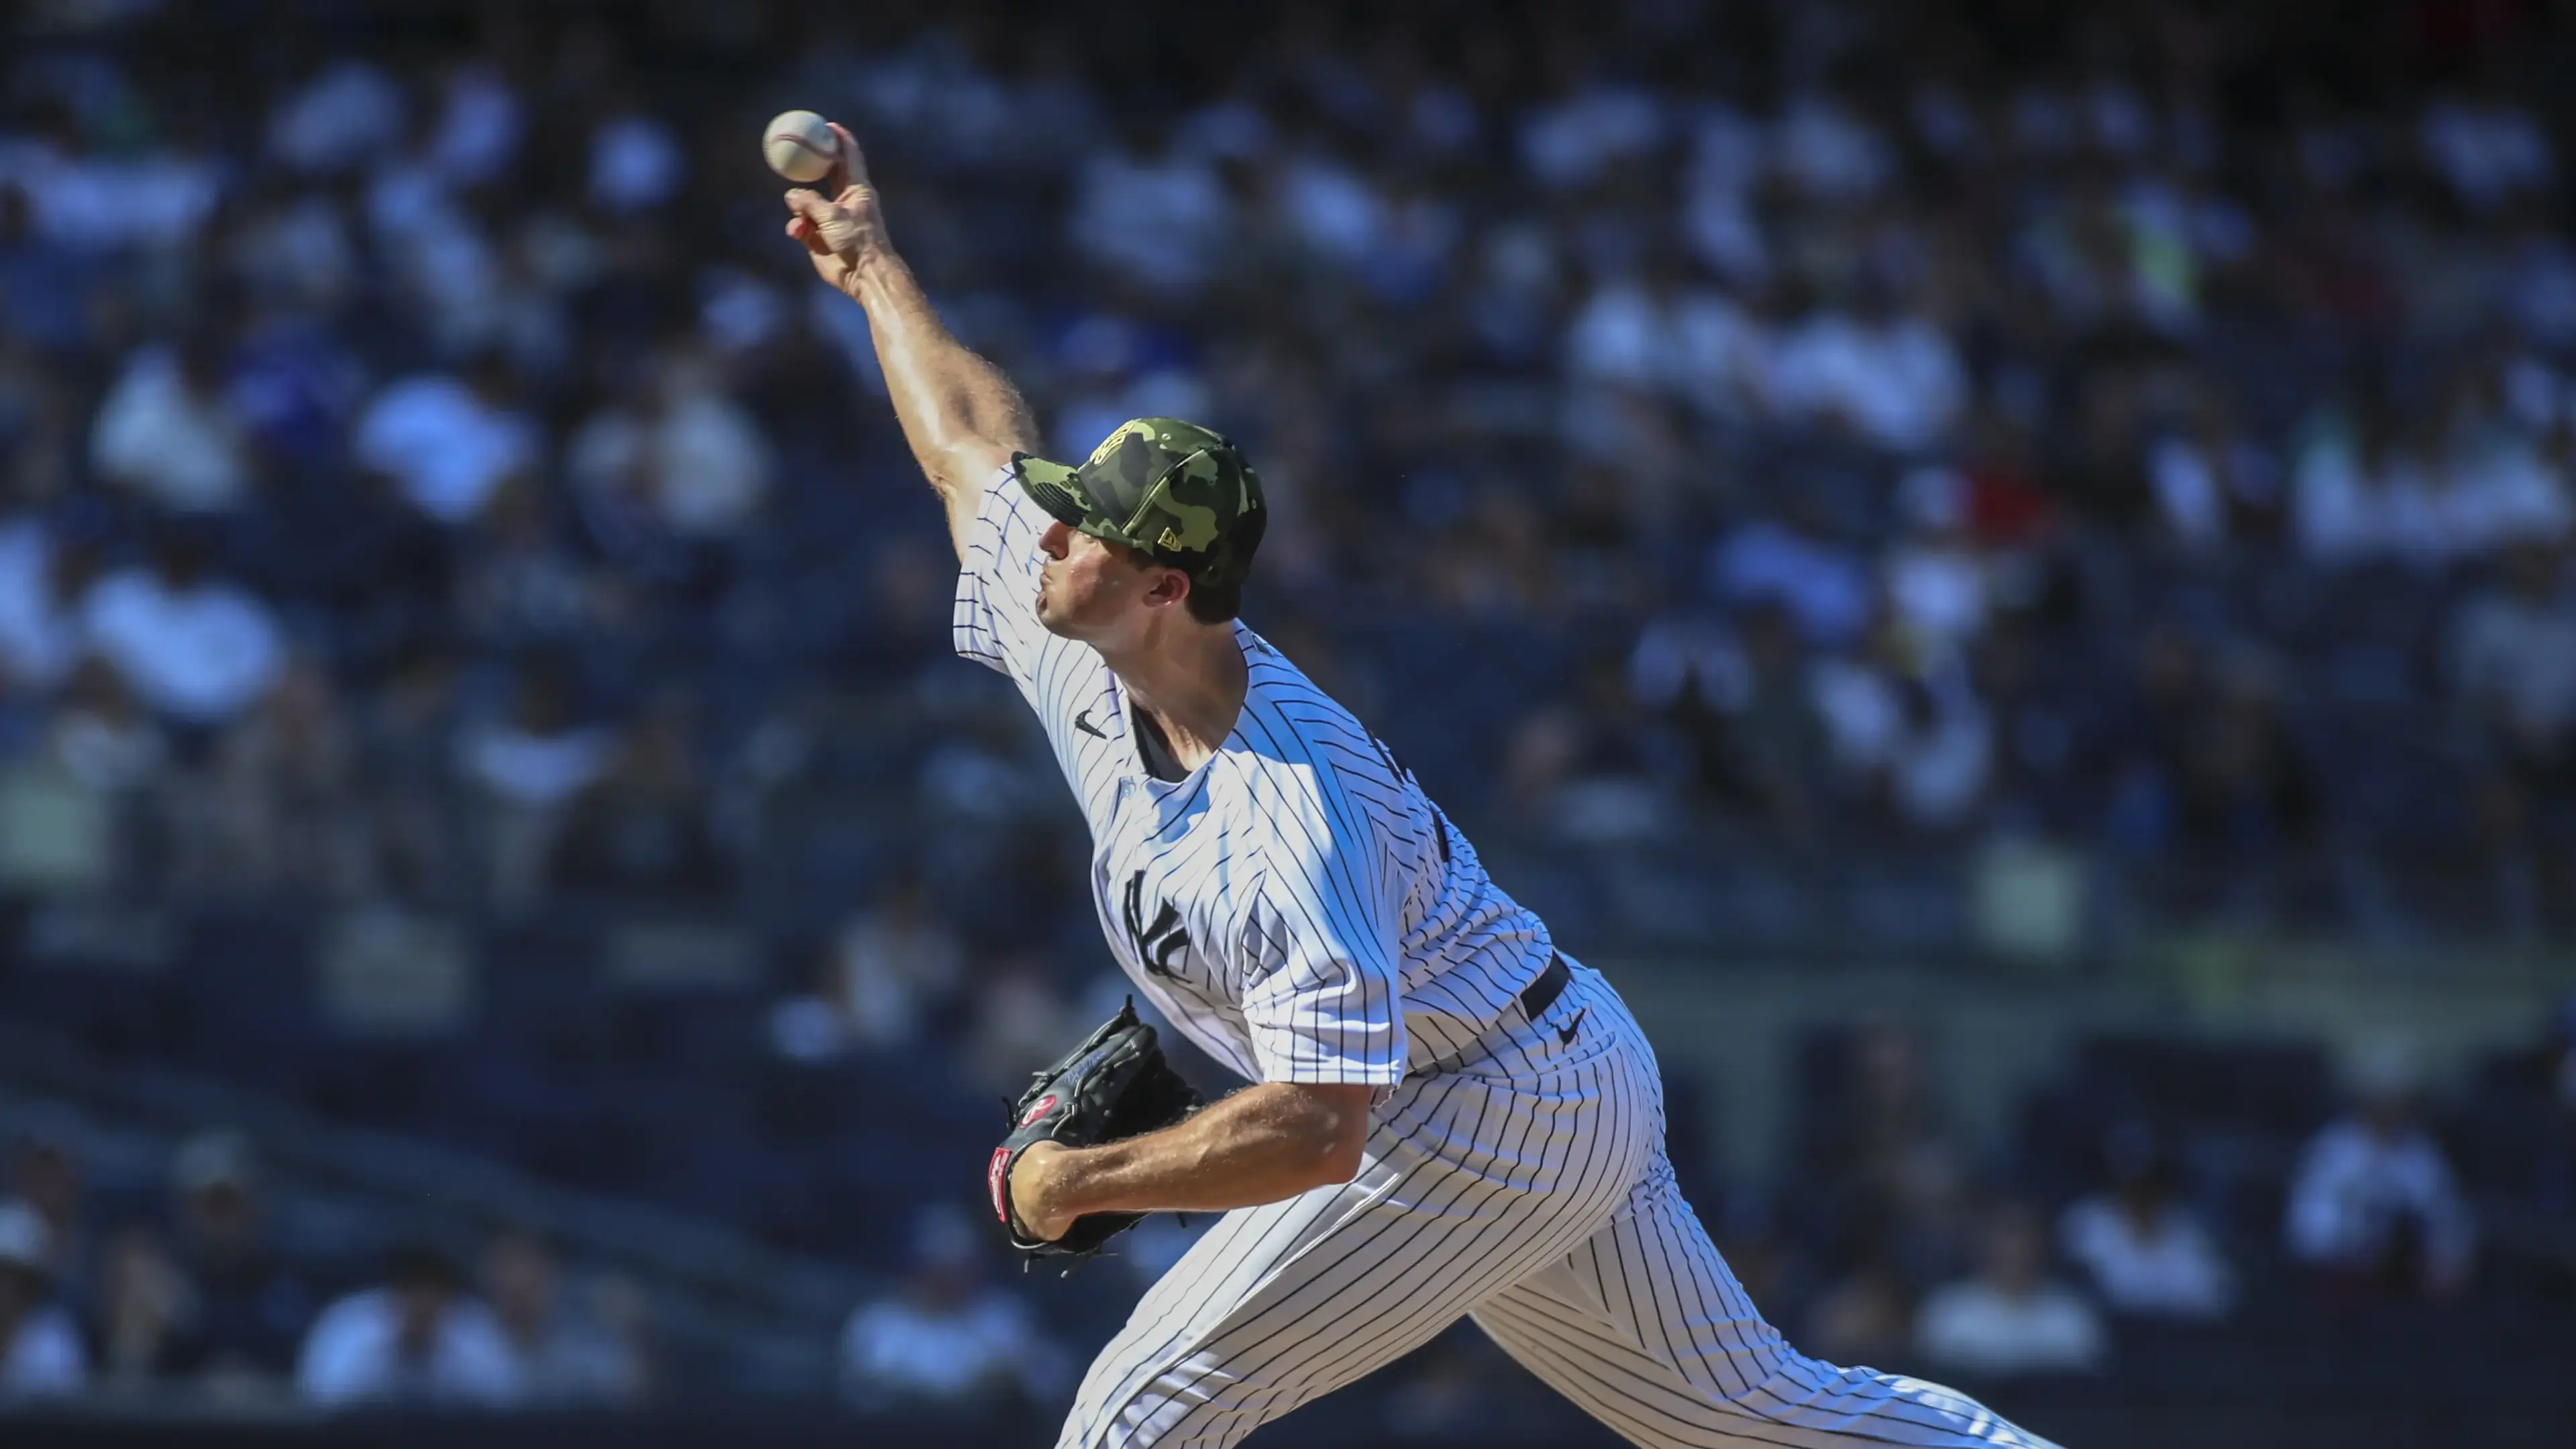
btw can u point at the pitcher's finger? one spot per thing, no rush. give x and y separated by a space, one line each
849 166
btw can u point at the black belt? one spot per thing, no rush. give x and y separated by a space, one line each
1541 994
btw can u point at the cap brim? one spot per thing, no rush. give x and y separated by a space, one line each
1050 485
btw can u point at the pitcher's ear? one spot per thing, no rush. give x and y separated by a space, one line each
1170 586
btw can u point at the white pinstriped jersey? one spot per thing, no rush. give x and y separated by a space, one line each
1301 911
1296 905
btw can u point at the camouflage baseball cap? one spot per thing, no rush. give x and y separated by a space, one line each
1175 490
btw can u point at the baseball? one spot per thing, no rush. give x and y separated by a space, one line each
800 146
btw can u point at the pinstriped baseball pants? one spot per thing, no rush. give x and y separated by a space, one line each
1525 1186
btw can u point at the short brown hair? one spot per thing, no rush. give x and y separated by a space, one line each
1207 603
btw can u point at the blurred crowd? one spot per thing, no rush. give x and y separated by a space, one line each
1930 1249
2186 1189
205 1297
428 475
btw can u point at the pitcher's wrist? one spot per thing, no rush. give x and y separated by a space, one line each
874 273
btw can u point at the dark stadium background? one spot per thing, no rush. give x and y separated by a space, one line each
2003 567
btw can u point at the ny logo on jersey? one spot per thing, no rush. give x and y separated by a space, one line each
1158 943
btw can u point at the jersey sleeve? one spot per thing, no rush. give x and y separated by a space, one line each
1326 1004
995 621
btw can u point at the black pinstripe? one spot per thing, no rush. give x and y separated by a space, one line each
1338 930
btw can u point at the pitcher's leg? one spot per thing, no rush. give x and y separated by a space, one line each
1647 1330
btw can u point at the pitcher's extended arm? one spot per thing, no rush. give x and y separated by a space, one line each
960 414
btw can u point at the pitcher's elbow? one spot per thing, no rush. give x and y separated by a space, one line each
1345 1147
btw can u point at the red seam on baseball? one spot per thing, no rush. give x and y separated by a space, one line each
792 137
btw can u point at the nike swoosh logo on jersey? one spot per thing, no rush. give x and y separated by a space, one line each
1565 1033
1083 723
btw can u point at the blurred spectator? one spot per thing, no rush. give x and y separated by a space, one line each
561 1355
520 585
1744 702
2513 660
46 1178
296 249
1893 380
1822 584
1879 1156
147 1315
2145 1252
947 1338
409 774
191 646
417 1339
2011 1318
38 425
635 163
690 461
2341 483
2247 786
531 766
280 811
886 978
539 757
1018 1020
1580 766
1935 581
62 835
448 443
98 201
2492 486
252 1305
642 829
893 966
1923 745
1495 565
2486 146
2374 1209
1867 1316
40 1345
346 113
103 744
1151 214
41 583
43 283
2214 484
167 431
1829 150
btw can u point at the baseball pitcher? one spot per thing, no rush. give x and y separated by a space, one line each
1449 1116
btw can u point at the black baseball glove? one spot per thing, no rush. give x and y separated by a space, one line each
1114 1085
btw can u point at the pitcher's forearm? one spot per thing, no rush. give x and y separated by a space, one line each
1258 1146
958 411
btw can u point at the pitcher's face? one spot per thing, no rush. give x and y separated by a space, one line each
1097 593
